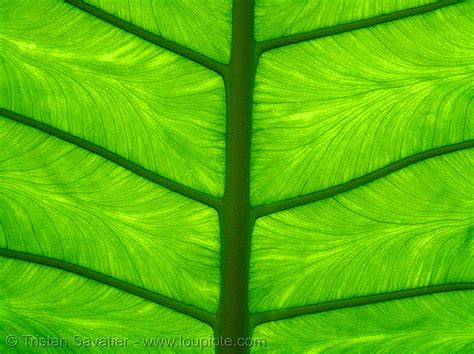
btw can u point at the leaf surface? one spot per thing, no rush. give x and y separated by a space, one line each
204 26
66 203
81 75
412 229
378 95
294 171
425 324
42 301
277 18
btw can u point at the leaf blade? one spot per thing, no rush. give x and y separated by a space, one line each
438 322
45 302
280 18
410 229
115 90
63 202
362 109
204 27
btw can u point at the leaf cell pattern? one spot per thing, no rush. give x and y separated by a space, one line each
183 22
70 303
403 87
105 218
432 323
411 229
114 90
278 18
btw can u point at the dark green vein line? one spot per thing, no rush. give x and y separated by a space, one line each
106 154
236 223
263 210
150 37
262 317
324 32
175 305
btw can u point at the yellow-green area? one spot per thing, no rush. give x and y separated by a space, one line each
279 18
411 229
333 109
60 201
438 323
204 26
84 76
51 311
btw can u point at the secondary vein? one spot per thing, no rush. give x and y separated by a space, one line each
262 317
270 208
118 160
176 48
175 305
329 31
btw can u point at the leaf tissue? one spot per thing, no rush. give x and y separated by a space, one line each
285 175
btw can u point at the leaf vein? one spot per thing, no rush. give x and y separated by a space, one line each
262 317
329 31
162 300
176 48
116 159
270 208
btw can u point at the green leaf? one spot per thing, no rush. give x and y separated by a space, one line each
356 113
74 308
278 18
204 26
81 75
409 230
297 174
427 324
65 203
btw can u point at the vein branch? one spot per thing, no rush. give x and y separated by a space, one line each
116 159
270 208
175 305
176 48
329 31
262 317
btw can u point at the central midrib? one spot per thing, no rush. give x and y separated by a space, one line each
235 217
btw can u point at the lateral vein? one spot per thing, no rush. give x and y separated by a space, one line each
270 208
116 159
162 300
329 31
176 48
262 317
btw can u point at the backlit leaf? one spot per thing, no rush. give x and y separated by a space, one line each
297 174
63 202
82 75
78 309
428 324
411 229
378 95
277 18
184 22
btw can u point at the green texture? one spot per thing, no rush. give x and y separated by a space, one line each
66 305
298 172
204 26
278 18
114 90
410 229
355 114
438 323
100 208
